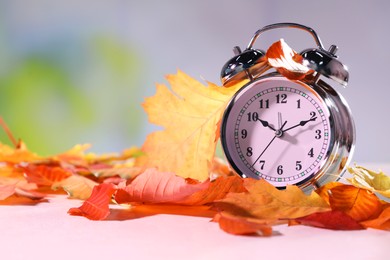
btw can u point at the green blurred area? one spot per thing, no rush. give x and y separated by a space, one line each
56 96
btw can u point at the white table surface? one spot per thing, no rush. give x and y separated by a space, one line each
46 231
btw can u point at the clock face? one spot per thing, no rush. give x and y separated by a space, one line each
278 130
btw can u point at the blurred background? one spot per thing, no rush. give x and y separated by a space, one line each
77 71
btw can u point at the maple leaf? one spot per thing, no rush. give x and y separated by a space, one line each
153 186
96 207
358 203
238 225
264 201
367 179
336 220
190 113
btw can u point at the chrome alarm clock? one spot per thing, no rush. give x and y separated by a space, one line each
288 132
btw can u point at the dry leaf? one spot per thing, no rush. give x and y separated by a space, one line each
336 220
77 187
238 225
153 186
217 190
97 206
367 179
381 222
358 203
45 174
324 191
264 201
7 191
190 113
286 61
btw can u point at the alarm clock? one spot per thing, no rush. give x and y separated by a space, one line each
288 132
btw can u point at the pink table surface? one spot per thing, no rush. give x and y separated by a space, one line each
46 231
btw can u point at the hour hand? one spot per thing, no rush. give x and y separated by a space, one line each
266 124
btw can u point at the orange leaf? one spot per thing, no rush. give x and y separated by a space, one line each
96 207
153 186
216 190
336 220
45 175
6 191
324 191
238 225
360 204
16 155
381 222
286 61
190 113
265 201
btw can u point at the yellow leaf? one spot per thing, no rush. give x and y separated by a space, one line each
369 180
264 201
190 113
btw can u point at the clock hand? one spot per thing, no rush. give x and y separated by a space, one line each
302 123
278 133
280 120
266 124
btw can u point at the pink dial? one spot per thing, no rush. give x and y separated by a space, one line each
278 130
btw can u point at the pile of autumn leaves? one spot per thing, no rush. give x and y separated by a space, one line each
240 206
176 169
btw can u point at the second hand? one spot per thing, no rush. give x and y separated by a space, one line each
278 133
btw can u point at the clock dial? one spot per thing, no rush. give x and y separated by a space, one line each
278 130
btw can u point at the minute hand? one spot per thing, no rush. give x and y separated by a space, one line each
302 123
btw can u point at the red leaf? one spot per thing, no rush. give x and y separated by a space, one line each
96 206
336 220
153 186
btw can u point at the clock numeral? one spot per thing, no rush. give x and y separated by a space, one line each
298 103
249 151
318 134
253 116
262 162
312 115
311 152
279 170
264 103
244 133
281 98
298 165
